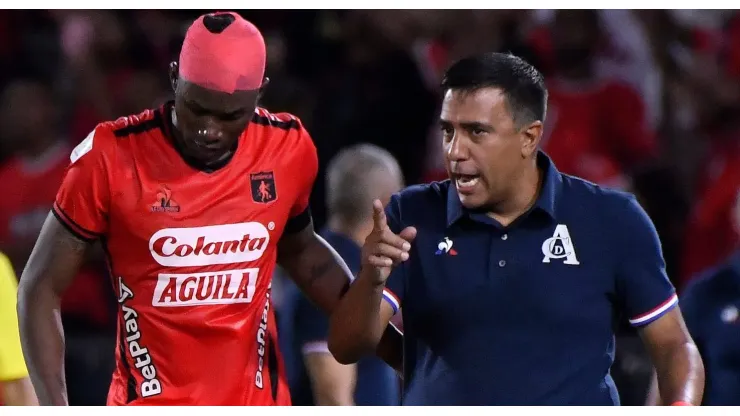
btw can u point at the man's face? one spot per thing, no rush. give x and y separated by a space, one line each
211 121
484 151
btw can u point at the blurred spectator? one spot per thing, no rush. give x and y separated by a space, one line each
711 308
356 177
596 126
30 180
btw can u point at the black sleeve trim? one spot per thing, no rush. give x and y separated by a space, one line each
299 222
73 227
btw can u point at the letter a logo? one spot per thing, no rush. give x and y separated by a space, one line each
560 246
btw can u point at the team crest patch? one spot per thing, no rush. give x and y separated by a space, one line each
263 187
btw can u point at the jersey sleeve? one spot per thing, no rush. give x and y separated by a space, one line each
12 363
395 286
306 168
643 286
82 200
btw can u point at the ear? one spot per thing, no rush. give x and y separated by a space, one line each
261 92
174 74
530 136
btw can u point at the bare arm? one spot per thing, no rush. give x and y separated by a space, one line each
333 384
360 322
53 264
324 277
18 393
679 368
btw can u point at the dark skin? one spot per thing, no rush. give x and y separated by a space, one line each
208 124
482 140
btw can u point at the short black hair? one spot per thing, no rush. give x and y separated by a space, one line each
522 84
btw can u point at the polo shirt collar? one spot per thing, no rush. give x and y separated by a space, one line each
552 185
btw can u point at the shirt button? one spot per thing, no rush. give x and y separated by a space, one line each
504 237
501 263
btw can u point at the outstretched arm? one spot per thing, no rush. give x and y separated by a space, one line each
54 262
324 277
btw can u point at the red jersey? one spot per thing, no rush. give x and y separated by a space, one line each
597 132
192 254
711 233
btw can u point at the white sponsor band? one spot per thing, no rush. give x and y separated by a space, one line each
215 244
206 288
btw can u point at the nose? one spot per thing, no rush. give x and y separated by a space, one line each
210 132
456 149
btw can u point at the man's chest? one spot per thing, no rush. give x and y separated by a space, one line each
551 274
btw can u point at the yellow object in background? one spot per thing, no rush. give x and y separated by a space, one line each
12 363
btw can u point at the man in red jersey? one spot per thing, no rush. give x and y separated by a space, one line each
195 202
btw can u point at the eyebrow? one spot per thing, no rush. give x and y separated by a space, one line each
467 125
198 107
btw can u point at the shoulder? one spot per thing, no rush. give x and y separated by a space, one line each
286 131
281 125
422 194
709 285
104 139
581 196
418 202
135 124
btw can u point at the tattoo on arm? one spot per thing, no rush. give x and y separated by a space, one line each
319 269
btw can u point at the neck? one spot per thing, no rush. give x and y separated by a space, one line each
357 233
521 198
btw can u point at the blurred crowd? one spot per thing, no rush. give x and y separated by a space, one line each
640 100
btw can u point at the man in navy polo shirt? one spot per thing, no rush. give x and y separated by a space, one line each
517 273
355 177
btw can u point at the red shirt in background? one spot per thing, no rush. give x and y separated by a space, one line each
598 131
29 188
712 232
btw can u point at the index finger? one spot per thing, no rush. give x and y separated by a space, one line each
379 221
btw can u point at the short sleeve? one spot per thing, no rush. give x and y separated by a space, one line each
306 169
395 286
82 200
12 363
311 327
643 286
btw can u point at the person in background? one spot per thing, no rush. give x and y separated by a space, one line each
15 386
30 180
711 308
597 126
355 177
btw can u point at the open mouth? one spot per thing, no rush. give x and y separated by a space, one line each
466 182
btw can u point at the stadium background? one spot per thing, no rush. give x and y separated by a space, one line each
656 115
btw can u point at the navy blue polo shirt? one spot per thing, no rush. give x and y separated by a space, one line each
711 308
377 384
524 314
